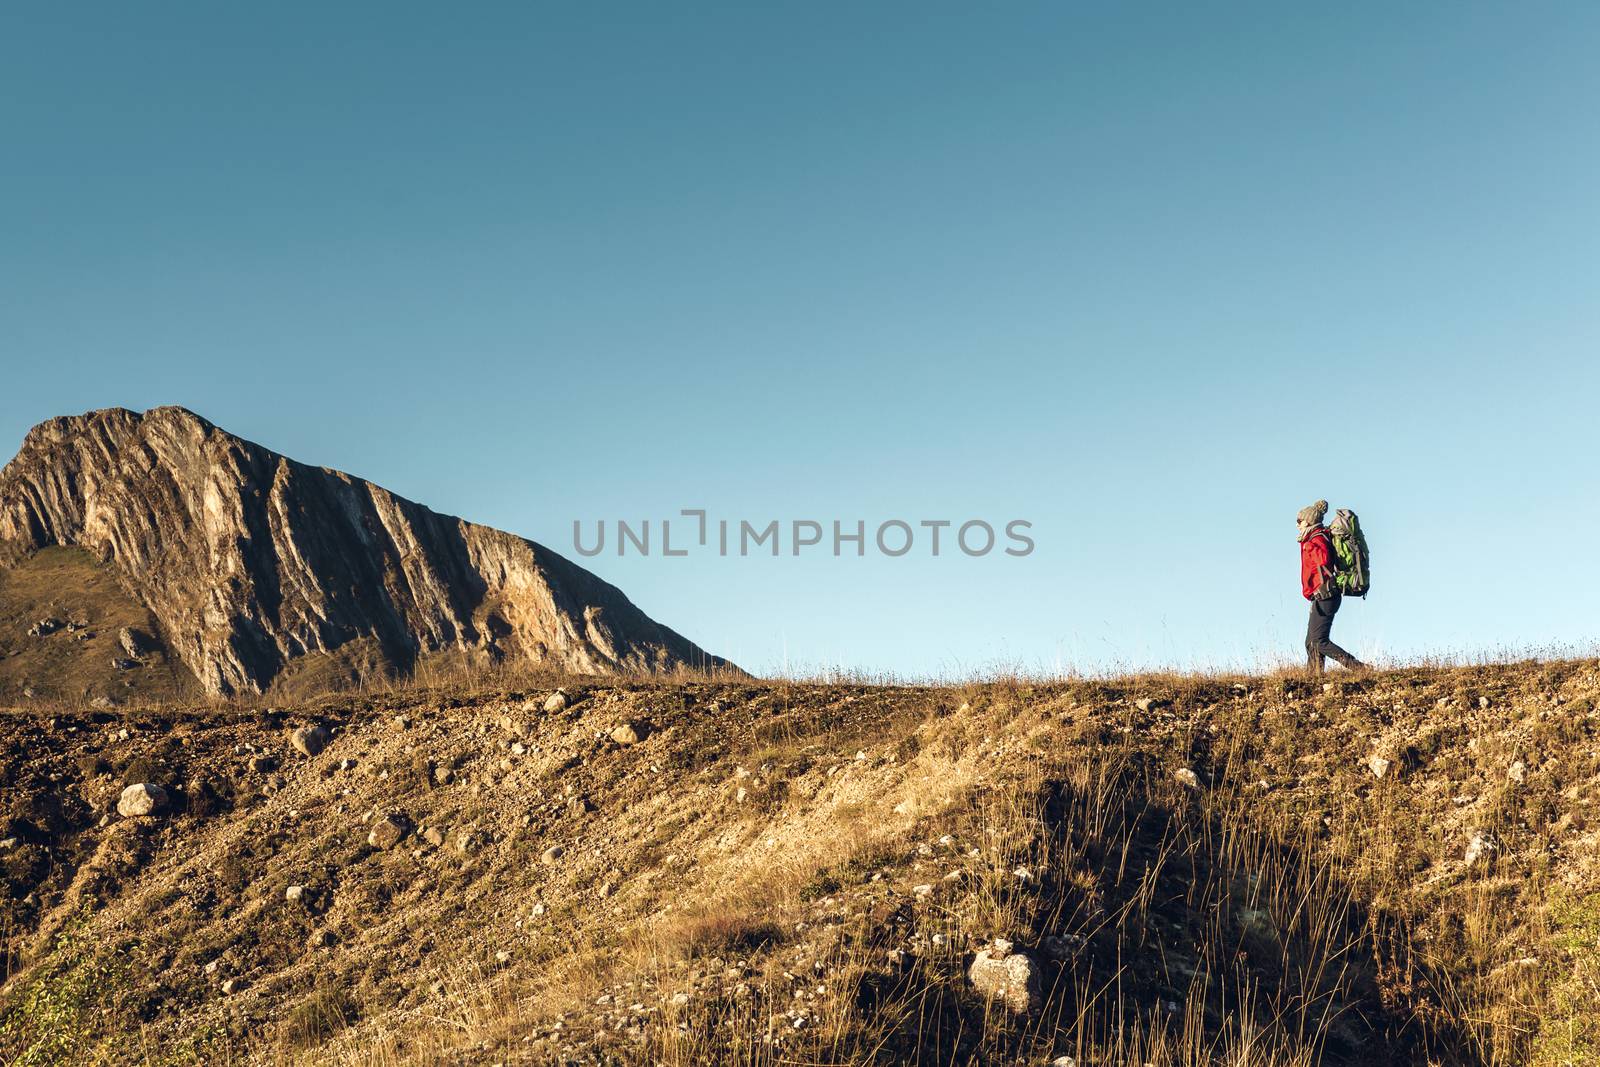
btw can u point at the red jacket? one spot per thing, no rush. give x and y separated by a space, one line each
1316 563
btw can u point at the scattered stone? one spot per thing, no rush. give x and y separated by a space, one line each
120 663
630 733
605 890
1479 847
28 693
230 986
142 799
1011 978
922 891
556 701
388 831
1517 773
103 703
320 939
1187 778
295 893
433 836
309 740
134 642
1149 703
45 627
551 854
1379 766
465 840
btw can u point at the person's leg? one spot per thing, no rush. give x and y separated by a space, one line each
1325 646
1316 636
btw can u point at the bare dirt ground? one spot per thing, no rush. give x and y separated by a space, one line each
1399 867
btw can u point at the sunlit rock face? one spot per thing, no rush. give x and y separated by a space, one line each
251 561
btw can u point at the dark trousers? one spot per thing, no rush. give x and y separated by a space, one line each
1318 642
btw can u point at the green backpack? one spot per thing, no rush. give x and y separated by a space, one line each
1353 574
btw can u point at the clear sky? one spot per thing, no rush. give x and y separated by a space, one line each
1149 276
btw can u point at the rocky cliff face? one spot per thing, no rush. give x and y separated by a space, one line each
250 561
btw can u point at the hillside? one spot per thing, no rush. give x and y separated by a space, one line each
1398 868
256 572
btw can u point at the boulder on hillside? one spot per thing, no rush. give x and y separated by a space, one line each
309 740
1007 977
388 831
631 733
142 799
135 643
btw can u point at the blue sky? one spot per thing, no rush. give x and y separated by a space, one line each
1148 276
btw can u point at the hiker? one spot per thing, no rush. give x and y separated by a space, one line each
1318 581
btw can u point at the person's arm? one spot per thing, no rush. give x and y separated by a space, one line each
1319 556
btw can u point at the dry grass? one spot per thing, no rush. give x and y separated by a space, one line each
801 874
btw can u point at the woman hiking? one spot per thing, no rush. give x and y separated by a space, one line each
1318 585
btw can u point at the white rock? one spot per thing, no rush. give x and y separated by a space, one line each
1379 766
1479 847
555 702
1012 979
1187 778
142 799
1517 773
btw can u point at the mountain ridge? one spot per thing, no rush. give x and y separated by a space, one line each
251 561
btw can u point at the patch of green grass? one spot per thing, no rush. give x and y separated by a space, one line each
59 1016
1569 1032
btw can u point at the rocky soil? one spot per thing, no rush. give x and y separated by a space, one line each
1393 868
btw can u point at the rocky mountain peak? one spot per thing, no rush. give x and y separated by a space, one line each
254 565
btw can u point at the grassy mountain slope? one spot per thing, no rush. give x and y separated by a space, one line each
1200 870
75 662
